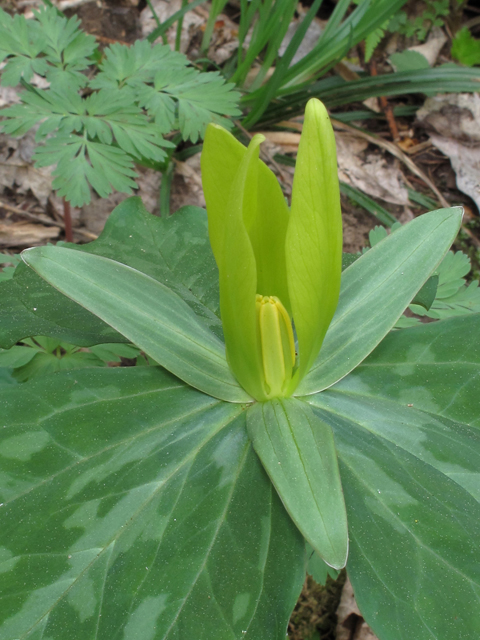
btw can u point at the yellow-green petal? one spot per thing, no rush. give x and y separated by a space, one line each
314 237
238 279
266 217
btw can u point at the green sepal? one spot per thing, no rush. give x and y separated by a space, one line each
314 238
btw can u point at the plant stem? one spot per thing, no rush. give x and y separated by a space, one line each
157 20
165 189
178 37
67 220
386 107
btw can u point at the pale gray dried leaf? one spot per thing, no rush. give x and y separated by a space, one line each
192 21
454 115
309 40
465 161
455 122
369 172
432 47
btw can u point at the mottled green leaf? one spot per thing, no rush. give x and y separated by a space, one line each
145 311
449 446
134 507
434 367
426 296
411 477
298 453
414 540
375 291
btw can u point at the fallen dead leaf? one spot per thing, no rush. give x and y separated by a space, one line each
454 115
286 140
187 184
369 172
455 122
17 170
465 162
191 21
309 40
432 47
8 96
351 625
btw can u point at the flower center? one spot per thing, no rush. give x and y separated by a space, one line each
277 344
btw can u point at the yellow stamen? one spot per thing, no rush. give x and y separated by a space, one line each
277 344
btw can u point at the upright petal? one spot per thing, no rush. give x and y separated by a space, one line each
238 278
314 237
266 216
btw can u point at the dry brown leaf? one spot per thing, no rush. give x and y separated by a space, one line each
369 172
8 96
351 625
17 170
465 162
187 184
286 140
432 47
309 40
455 120
454 115
23 234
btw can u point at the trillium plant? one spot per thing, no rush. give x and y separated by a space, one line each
283 424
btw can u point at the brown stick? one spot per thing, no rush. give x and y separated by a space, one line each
67 219
386 107
48 223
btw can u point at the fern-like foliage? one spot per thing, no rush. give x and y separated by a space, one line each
373 39
94 127
173 93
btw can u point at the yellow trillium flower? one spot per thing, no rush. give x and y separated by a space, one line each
279 268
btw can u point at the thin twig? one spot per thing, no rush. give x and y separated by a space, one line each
398 153
386 107
48 223
395 151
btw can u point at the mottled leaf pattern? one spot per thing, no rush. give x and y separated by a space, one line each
134 507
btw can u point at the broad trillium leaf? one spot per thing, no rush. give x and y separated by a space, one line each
437 363
30 307
298 453
143 310
406 431
375 291
135 507
175 251
414 541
